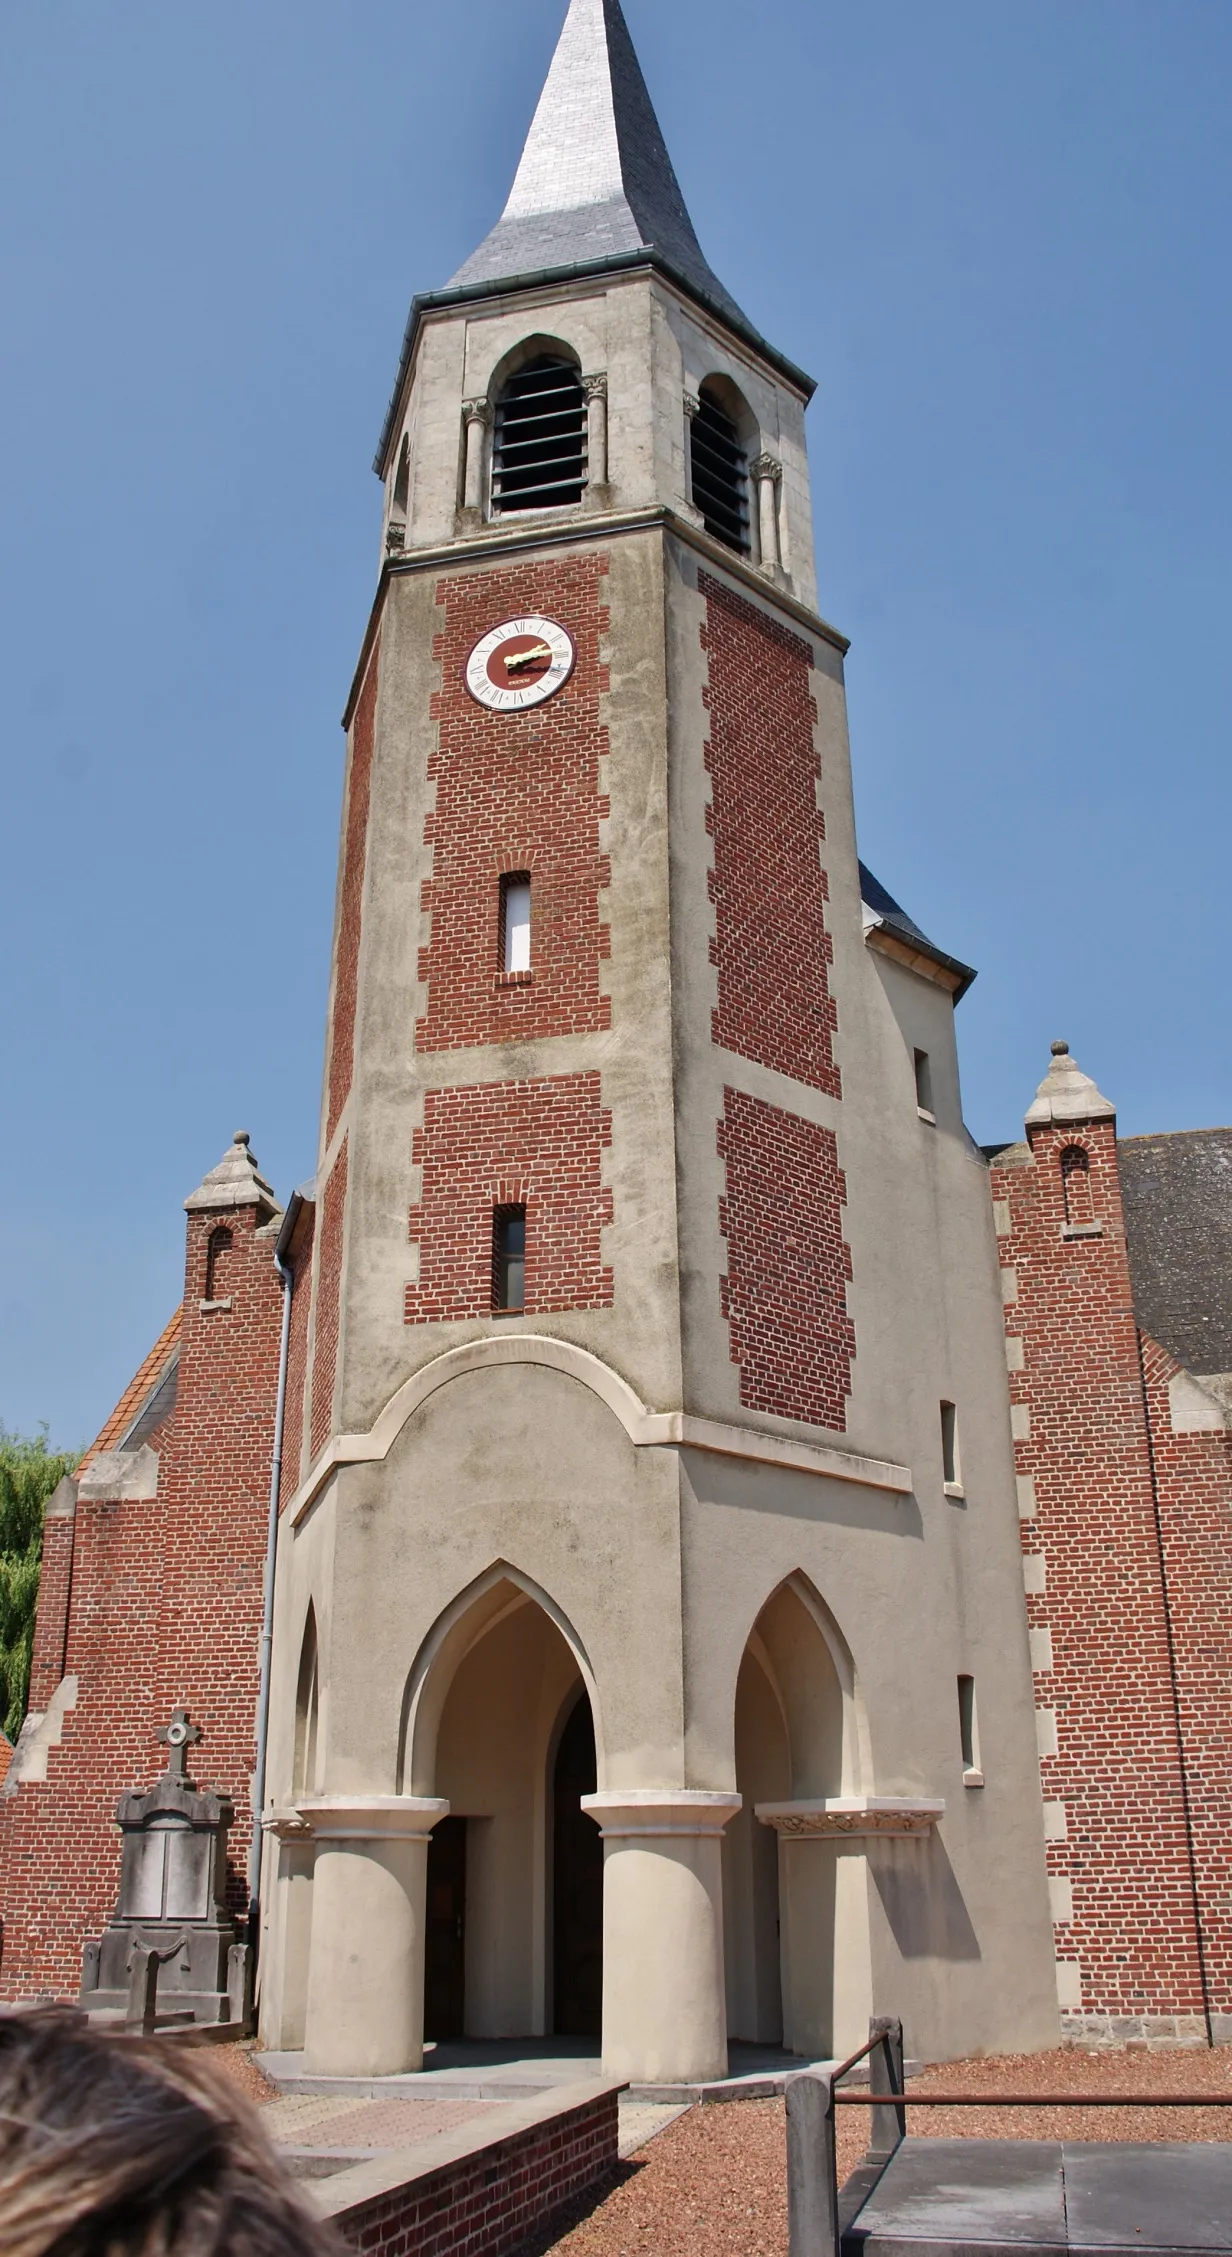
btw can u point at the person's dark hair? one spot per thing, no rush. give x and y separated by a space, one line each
125 2147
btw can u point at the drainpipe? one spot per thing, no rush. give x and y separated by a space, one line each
287 1278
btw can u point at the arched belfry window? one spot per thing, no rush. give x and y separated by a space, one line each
539 444
720 470
1076 1183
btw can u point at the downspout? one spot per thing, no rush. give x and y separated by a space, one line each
287 1279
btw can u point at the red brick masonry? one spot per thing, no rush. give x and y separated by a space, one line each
537 1144
785 1293
771 948
517 792
490 2196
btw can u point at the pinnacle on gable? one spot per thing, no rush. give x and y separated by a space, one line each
237 1181
595 181
1067 1094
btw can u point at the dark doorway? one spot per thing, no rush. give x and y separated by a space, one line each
445 1932
577 1884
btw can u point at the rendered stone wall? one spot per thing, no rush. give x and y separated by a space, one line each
351 894
537 1144
327 1293
512 800
293 1436
1112 1610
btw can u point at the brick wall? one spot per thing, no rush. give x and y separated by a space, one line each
54 1591
771 948
785 1292
164 1604
537 1144
1125 1928
351 895
1193 1476
327 1295
492 2198
517 792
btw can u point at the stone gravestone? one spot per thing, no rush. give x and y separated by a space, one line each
171 1952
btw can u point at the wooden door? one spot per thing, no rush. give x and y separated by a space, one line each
445 1933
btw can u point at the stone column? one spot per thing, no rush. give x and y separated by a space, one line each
366 1970
476 414
767 476
595 388
825 1939
692 407
286 1929
664 2012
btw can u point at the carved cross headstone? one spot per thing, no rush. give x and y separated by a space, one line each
178 1737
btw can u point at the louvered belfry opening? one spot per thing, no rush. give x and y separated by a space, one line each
539 450
720 473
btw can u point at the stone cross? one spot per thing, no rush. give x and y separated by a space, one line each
178 1737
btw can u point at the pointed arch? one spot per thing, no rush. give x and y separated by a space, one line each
304 1772
499 1592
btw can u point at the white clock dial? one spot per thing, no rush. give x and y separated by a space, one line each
520 664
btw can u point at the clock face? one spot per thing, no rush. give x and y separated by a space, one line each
520 664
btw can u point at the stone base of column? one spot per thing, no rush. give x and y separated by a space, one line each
664 2012
366 1967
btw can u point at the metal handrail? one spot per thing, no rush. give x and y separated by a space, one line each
817 2214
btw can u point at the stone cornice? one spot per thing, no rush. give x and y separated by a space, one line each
845 1815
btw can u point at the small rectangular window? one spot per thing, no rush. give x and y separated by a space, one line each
515 923
969 1733
924 1084
951 1472
509 1258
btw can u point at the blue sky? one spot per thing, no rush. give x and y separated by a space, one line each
998 236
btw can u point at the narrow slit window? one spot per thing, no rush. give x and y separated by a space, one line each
216 1253
968 1729
923 1083
515 922
509 1258
1076 1183
949 1446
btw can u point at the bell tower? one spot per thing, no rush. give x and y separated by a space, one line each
626 1575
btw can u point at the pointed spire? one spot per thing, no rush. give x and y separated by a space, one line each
595 180
1066 1094
237 1181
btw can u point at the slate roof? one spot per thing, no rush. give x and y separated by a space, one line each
595 180
1177 1193
890 913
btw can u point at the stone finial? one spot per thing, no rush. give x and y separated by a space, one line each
178 1737
237 1181
1067 1094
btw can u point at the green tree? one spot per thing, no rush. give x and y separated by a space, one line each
29 1471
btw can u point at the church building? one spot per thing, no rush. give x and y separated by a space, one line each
654 1408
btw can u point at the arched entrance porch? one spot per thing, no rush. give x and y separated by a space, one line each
796 1930
500 1725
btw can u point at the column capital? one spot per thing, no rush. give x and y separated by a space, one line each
477 411
371 1818
692 405
660 1811
836 1816
595 387
767 466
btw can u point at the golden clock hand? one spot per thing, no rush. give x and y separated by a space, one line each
527 658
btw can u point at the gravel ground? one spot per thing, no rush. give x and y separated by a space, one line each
713 2183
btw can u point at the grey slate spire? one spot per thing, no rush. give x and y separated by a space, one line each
595 181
